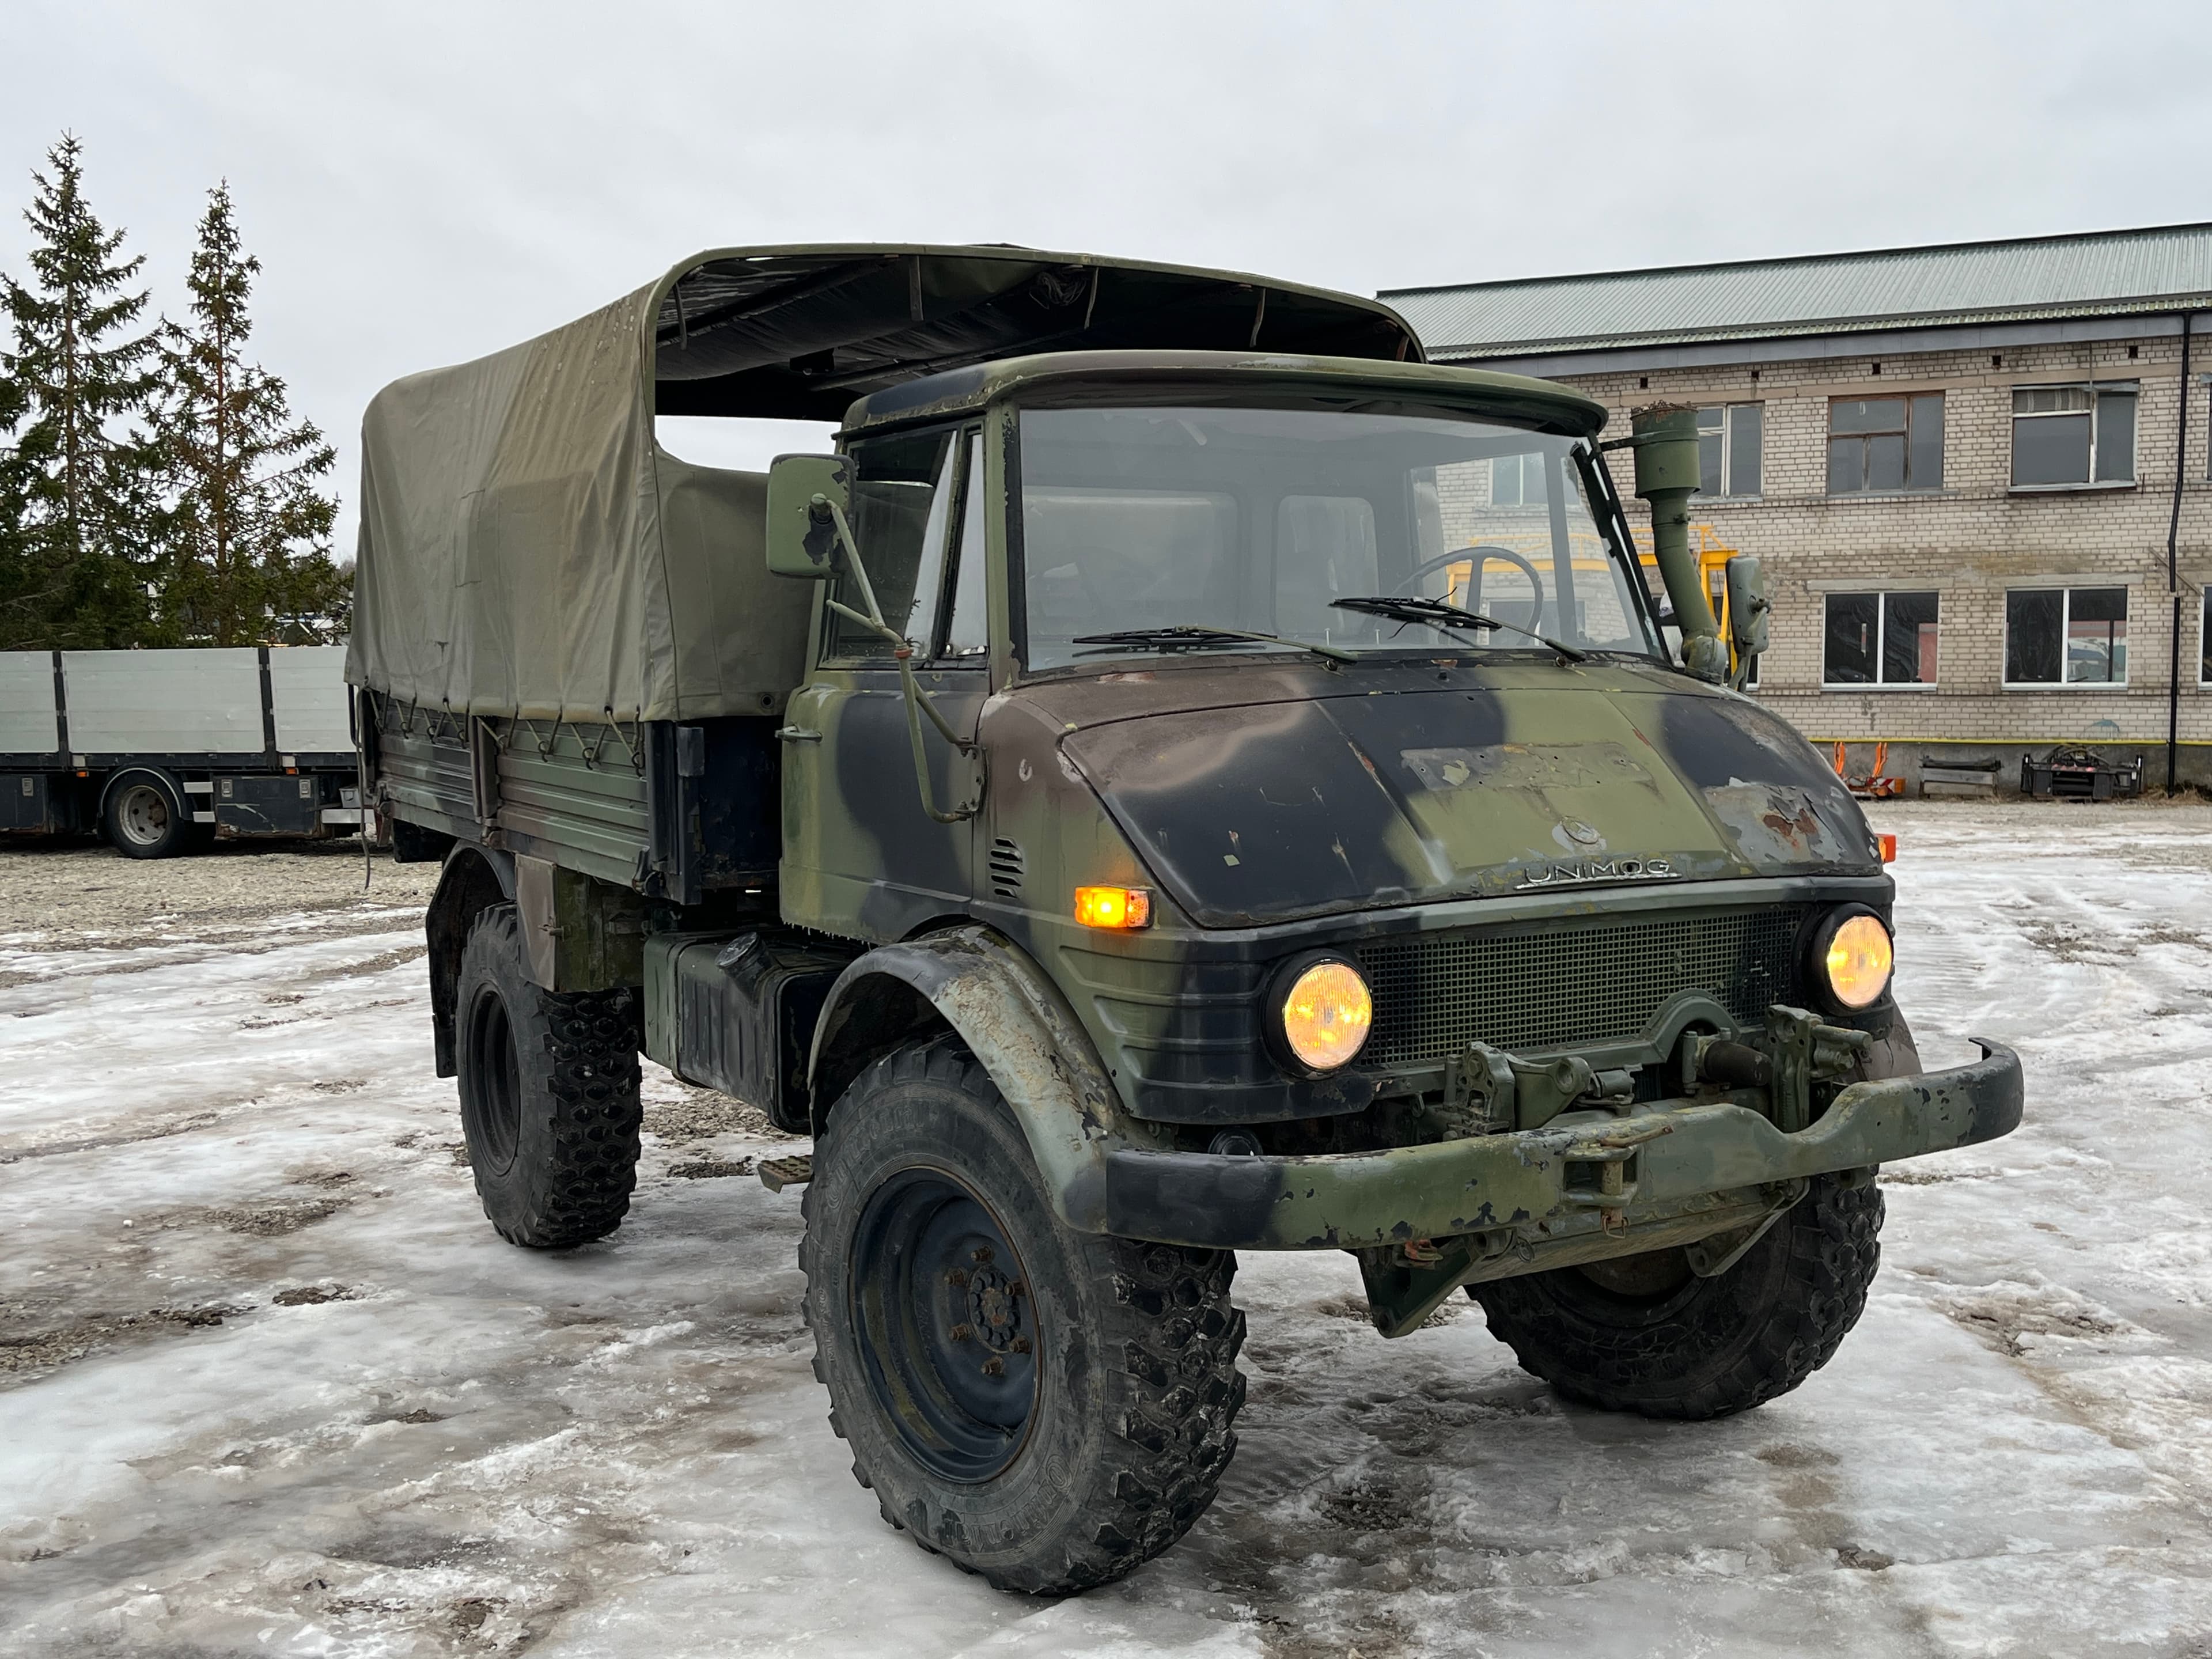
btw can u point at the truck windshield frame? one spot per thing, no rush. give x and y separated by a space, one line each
1139 519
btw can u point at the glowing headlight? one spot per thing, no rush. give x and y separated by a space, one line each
1855 957
1326 1014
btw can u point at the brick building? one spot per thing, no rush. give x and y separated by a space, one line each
1959 464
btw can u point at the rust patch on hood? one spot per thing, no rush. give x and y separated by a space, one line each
1776 824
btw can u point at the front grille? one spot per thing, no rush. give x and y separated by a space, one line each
1563 984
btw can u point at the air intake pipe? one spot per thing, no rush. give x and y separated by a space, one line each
1665 439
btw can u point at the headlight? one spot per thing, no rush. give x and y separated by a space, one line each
1852 957
1323 1012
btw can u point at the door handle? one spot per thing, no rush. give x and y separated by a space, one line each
796 734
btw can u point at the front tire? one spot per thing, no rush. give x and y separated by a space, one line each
549 1086
1045 1407
1644 1335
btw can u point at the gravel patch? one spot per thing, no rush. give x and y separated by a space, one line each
76 898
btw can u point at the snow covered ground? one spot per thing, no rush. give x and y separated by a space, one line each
269 1385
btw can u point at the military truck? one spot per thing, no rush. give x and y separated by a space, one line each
1185 776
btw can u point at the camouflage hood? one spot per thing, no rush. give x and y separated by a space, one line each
1388 785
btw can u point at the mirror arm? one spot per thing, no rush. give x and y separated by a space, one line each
918 701
822 505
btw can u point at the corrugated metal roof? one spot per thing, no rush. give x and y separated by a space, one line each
2104 273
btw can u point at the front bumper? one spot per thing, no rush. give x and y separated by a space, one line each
1659 1161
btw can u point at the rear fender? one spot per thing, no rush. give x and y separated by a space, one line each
982 987
178 799
475 879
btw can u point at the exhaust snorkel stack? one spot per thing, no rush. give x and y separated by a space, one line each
1664 437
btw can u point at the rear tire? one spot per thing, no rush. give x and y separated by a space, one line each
549 1086
1045 1407
1644 1335
145 816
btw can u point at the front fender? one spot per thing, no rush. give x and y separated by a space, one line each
1018 1027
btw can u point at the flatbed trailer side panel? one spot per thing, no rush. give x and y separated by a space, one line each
254 740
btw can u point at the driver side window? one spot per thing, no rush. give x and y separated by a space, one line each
967 635
901 503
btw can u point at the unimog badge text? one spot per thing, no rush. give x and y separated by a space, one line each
1590 871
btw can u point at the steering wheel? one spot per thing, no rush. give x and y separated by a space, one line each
1480 555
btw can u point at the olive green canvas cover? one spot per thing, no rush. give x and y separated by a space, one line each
527 550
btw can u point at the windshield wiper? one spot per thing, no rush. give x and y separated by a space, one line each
1190 634
1437 614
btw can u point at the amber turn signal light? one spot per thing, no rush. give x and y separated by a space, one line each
1887 846
1113 907
1858 960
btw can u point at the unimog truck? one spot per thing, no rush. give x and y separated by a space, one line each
1186 776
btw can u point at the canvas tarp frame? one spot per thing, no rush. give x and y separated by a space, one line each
528 550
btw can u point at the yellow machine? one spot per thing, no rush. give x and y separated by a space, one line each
1712 565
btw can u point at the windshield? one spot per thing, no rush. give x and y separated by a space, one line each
1256 521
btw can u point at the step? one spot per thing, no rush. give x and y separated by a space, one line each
777 1173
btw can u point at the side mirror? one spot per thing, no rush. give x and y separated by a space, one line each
1747 606
802 530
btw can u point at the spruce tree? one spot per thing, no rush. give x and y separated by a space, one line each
75 493
246 532
18 580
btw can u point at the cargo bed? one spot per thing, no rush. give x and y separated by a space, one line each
674 811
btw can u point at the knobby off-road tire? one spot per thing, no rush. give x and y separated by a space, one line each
1078 1419
548 1086
1646 1335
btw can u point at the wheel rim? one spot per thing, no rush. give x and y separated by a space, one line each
491 1082
143 814
946 1324
1651 1278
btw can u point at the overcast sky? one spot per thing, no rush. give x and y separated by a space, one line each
427 182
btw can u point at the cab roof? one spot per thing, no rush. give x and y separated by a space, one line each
799 332
1193 378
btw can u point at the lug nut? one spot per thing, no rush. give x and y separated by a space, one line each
1020 1345
981 1255
963 1332
957 1279
994 1366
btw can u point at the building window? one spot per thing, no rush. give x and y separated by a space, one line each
2073 435
1880 639
1518 481
1885 443
2066 636
1727 449
2204 640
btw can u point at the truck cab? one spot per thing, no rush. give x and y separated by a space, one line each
1153 792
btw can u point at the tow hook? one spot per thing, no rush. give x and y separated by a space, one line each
1598 1172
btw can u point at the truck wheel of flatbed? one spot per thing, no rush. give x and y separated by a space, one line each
144 818
1644 1335
548 1086
1045 1407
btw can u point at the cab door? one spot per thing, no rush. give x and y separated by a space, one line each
862 855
